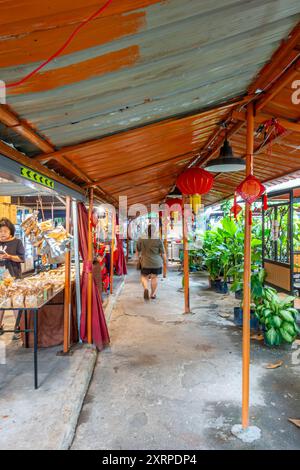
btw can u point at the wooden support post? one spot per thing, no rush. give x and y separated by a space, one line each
165 235
112 248
127 243
186 276
90 274
67 296
247 275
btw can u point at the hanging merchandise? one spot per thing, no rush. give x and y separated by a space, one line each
251 189
51 242
194 182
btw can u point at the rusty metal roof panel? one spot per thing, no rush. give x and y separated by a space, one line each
141 62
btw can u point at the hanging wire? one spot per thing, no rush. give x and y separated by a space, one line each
62 48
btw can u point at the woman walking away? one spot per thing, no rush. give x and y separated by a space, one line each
152 255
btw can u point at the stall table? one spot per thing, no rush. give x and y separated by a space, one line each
49 298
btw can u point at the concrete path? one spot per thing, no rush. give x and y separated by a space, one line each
46 418
173 381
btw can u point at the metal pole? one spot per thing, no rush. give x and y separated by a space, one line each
67 297
77 264
186 276
90 274
165 232
112 248
247 275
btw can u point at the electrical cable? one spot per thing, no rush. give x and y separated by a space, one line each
63 47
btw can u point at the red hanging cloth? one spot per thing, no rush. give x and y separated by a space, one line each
99 327
120 262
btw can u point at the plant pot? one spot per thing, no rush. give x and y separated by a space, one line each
238 318
238 294
221 287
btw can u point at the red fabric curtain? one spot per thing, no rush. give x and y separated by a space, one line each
99 328
120 263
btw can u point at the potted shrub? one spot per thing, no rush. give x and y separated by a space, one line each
257 292
278 318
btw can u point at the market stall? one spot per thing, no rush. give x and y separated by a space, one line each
46 296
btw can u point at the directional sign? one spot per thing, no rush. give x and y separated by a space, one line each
36 177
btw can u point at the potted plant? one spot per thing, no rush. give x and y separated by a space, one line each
278 318
257 292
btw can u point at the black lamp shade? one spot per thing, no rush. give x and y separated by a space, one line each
226 162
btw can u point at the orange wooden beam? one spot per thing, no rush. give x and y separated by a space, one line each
277 59
286 79
262 117
11 120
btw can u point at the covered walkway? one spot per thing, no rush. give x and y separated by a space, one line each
173 381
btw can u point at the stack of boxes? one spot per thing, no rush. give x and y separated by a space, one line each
7 209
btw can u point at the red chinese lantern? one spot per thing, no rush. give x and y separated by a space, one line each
175 204
250 190
194 182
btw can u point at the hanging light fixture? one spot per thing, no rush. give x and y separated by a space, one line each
226 162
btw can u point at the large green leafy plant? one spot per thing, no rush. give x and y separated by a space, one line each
278 316
223 251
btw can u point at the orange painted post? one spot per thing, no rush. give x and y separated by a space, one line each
165 230
247 276
67 294
127 243
112 248
90 274
186 276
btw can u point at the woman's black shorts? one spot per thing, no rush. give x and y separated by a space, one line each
148 271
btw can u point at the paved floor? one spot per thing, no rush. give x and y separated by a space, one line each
171 381
45 418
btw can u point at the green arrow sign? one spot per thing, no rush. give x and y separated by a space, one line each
36 177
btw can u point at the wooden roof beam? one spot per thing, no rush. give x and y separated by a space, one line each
277 59
286 79
261 117
11 120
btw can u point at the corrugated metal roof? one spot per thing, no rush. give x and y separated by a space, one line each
141 62
124 84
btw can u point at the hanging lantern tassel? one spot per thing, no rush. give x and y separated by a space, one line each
265 201
235 207
195 201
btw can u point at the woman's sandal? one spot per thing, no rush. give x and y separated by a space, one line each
153 297
146 294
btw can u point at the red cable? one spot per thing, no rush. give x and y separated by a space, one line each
62 48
